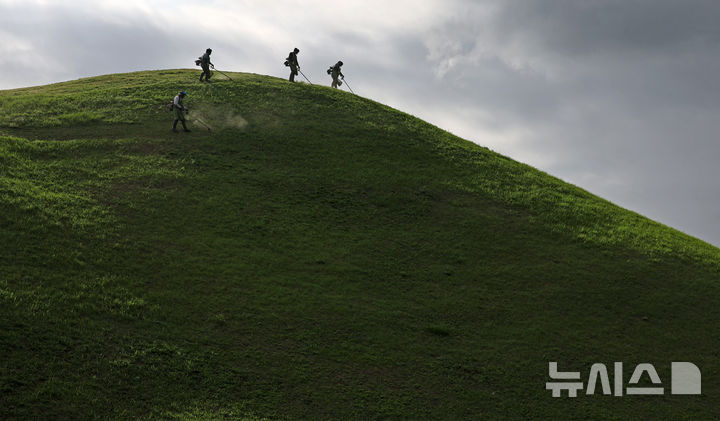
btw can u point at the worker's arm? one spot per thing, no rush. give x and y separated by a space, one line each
177 103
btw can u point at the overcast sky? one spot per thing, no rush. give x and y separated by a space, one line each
620 97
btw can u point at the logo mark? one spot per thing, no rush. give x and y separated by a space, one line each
686 379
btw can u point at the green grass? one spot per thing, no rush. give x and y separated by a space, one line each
316 256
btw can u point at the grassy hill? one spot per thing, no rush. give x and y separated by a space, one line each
317 255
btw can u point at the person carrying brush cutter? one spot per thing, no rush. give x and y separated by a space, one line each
206 64
178 109
335 71
293 63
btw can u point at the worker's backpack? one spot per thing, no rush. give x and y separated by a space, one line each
198 61
287 63
330 69
171 106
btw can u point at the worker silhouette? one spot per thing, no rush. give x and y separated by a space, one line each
206 64
292 62
336 71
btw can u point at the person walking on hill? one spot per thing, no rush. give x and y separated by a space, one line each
335 71
206 64
178 109
293 63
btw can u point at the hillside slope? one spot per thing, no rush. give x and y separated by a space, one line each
317 255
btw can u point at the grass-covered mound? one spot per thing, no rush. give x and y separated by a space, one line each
319 256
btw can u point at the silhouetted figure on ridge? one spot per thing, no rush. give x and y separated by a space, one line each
206 64
335 71
293 63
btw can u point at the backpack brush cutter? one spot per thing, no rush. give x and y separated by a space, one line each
201 122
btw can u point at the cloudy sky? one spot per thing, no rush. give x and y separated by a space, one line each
620 97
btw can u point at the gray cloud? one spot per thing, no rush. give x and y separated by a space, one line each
67 43
594 27
619 97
